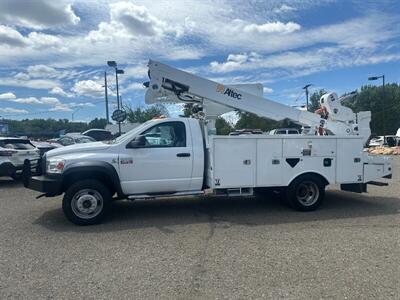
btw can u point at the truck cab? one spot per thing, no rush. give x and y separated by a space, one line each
161 156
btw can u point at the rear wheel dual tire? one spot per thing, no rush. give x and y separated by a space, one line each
86 202
306 193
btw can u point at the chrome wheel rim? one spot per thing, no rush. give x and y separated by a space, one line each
87 203
307 193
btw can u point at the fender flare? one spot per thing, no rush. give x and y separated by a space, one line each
102 167
314 173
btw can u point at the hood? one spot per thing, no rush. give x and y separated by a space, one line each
76 148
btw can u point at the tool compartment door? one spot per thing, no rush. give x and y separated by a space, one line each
269 162
234 162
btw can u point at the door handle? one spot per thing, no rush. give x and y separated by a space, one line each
183 155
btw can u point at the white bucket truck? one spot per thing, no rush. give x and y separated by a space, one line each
178 157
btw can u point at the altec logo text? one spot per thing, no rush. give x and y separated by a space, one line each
227 91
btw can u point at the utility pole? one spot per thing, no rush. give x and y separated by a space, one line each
306 90
106 95
383 100
73 113
383 106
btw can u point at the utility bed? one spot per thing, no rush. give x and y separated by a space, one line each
267 161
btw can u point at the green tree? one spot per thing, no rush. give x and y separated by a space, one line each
187 109
385 111
98 123
314 100
43 128
141 115
222 126
252 121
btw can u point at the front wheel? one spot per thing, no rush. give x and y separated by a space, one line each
306 193
16 176
86 202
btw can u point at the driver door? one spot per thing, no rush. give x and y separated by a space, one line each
163 164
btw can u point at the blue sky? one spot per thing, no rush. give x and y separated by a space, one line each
53 53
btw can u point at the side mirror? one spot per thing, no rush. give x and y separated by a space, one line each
138 142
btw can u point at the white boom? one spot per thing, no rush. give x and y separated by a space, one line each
168 84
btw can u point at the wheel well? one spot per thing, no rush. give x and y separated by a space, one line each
103 177
322 178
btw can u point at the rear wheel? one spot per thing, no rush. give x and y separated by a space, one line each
306 193
86 202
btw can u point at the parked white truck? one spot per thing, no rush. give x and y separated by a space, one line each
177 157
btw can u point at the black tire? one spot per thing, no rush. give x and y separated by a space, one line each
86 202
16 176
306 193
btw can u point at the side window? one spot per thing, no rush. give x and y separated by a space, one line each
66 141
293 132
168 134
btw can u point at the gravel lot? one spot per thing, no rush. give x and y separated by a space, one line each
209 248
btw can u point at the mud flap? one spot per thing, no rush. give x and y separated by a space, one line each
354 187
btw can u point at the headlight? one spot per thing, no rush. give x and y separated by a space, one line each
55 166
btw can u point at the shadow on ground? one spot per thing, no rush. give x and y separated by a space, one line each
126 215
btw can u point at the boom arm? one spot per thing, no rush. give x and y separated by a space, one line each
168 83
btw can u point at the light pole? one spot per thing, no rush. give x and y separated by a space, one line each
383 101
73 113
306 89
113 64
106 96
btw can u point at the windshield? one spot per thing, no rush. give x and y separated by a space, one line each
127 135
17 144
85 139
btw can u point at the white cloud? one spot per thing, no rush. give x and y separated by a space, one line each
27 100
272 27
81 105
28 83
11 110
89 88
267 90
138 71
8 95
67 107
134 86
33 100
49 100
59 92
42 41
61 107
284 8
11 37
235 62
138 21
296 64
22 76
37 14
41 71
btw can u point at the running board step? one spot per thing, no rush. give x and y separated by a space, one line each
177 194
378 183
